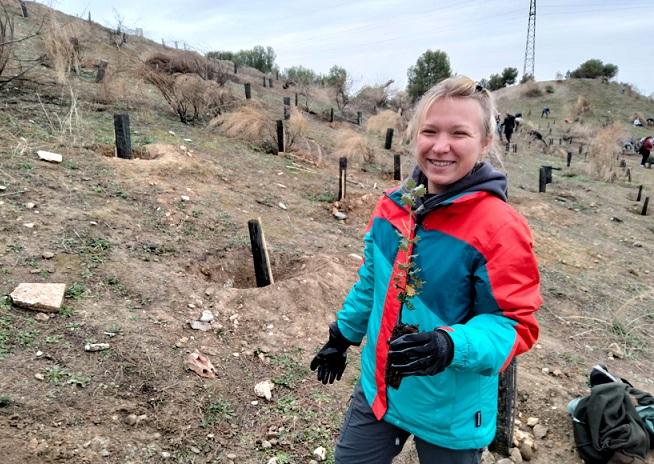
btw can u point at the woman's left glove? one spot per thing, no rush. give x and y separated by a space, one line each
424 353
332 358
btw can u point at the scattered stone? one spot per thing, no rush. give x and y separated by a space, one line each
39 297
39 376
207 316
47 255
210 350
505 461
105 453
320 453
188 140
171 132
516 457
195 449
29 225
616 350
42 317
526 451
532 421
49 156
185 198
231 456
340 216
30 205
130 420
282 205
165 455
273 460
487 457
313 461
39 354
264 389
181 342
210 291
266 444
545 370
540 431
200 364
92 347
200 325
2 188
557 373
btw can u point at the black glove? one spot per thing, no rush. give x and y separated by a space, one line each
424 353
332 358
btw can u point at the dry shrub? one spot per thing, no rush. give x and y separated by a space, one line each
382 121
581 107
370 98
250 123
603 150
296 128
191 97
111 89
187 62
531 89
353 145
61 48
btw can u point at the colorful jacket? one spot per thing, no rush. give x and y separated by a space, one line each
481 285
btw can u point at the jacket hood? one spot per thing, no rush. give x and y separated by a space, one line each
483 178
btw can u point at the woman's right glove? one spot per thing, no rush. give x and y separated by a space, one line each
332 358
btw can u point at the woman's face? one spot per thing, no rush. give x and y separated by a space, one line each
450 141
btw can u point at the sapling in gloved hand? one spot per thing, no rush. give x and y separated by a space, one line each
424 353
332 358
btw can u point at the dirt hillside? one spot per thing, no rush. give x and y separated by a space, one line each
144 246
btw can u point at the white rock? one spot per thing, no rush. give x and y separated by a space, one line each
188 140
320 453
516 457
171 132
199 325
185 198
273 460
39 376
532 421
30 205
282 205
540 431
266 444
505 461
231 456
340 216
29 225
39 354
42 317
39 297
207 316
49 156
165 455
616 350
264 389
47 255
545 370
182 147
96 347
2 188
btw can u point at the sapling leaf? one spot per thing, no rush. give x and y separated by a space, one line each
410 184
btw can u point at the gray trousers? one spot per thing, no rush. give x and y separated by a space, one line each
365 440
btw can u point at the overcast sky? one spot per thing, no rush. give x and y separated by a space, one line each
377 40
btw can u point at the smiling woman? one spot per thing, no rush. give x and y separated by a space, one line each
469 317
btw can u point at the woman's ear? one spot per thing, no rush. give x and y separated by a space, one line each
486 145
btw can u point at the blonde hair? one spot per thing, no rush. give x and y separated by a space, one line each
457 87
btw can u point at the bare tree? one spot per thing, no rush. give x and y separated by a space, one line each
7 42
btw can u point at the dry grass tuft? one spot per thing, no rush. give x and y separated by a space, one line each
603 151
531 89
61 48
382 121
186 62
580 108
251 124
353 145
296 128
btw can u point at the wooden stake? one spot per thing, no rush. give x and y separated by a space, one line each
506 410
248 91
358 118
262 270
235 68
568 159
295 98
640 193
628 175
542 180
397 168
389 138
331 115
644 210
287 101
270 82
342 176
123 141
264 81
280 136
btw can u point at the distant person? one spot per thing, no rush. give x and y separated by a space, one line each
518 121
645 150
545 113
479 289
637 123
509 125
498 122
535 135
